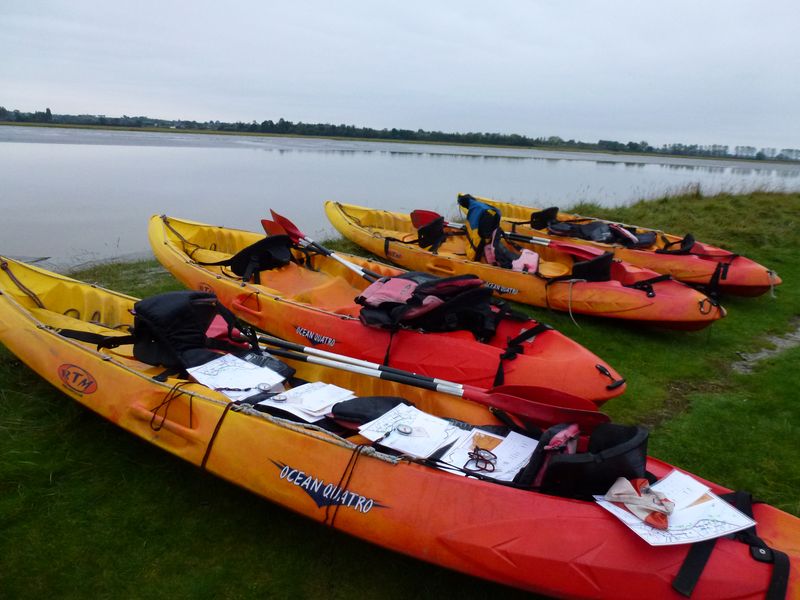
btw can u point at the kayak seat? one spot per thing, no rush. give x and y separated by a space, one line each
551 268
205 255
335 295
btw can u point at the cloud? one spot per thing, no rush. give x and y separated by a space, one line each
670 71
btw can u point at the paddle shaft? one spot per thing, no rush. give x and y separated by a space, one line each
353 361
517 237
301 238
541 414
370 276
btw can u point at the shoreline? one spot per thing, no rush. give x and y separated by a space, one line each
566 149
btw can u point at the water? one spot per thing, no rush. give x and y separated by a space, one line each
83 195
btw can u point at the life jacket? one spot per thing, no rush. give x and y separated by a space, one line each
424 301
172 330
487 242
557 468
606 233
482 222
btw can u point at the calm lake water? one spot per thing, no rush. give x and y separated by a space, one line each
82 195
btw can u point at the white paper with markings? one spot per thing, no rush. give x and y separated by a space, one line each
702 514
235 374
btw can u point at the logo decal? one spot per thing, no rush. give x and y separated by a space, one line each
326 494
314 337
501 288
204 287
77 379
394 254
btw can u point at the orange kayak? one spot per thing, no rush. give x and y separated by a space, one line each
627 293
542 543
683 258
315 305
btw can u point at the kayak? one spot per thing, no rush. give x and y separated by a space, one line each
626 292
315 304
684 258
539 542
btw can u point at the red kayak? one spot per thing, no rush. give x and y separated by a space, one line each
311 300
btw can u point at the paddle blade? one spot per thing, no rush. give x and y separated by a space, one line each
291 229
544 395
420 218
545 415
272 228
585 252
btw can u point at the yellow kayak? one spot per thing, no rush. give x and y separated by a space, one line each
517 536
684 258
561 280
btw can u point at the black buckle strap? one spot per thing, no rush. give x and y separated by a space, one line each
699 553
514 348
102 341
646 285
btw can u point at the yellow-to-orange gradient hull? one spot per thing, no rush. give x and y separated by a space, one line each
316 306
672 304
545 544
740 275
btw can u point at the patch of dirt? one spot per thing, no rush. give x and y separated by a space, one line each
678 400
780 343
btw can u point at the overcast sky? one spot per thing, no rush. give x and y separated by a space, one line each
694 71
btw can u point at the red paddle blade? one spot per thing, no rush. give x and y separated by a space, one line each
544 395
420 218
544 415
578 250
291 229
272 228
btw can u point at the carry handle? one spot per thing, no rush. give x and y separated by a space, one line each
238 305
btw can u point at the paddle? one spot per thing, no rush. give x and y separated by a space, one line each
420 218
268 339
555 407
272 228
298 237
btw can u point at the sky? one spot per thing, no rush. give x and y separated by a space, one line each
684 71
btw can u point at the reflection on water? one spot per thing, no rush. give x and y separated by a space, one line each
82 195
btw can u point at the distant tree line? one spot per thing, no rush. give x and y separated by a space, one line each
351 131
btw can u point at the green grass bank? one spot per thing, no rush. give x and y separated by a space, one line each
88 510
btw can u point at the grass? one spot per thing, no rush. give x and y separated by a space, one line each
88 510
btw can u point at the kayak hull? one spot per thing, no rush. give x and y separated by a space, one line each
317 308
740 277
673 305
545 544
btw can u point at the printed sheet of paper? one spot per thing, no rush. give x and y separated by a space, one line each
682 489
458 454
229 371
428 433
311 401
706 517
513 452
